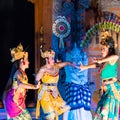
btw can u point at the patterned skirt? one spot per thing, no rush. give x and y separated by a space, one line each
108 106
25 115
78 96
51 105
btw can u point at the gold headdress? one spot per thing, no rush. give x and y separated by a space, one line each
47 53
107 40
105 34
18 53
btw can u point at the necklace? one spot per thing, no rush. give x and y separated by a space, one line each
22 71
24 75
53 70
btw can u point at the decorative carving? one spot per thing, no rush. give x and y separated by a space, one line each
41 34
74 75
110 6
105 25
61 28
41 37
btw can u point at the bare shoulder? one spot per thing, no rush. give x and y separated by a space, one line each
113 61
17 73
42 69
59 64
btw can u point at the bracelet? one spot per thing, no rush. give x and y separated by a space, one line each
36 82
99 60
35 86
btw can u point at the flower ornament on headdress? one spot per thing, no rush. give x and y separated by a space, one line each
108 41
47 53
18 53
104 34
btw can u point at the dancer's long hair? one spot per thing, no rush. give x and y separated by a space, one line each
108 41
15 67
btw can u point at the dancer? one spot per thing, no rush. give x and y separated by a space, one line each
48 94
15 92
108 106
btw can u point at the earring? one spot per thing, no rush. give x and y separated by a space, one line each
48 62
23 62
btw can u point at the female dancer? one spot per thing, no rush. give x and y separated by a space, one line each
108 106
48 95
15 94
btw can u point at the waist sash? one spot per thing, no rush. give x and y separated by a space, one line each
109 81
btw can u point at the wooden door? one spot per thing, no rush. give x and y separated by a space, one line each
43 28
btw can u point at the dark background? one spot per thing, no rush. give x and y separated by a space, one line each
16 26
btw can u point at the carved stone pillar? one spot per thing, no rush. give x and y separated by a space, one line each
43 27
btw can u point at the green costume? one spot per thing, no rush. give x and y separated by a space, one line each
108 106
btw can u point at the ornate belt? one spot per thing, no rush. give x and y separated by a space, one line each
50 84
110 81
107 81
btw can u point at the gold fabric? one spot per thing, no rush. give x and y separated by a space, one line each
18 53
51 105
19 90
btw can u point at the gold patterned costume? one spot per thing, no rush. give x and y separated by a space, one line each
15 95
52 105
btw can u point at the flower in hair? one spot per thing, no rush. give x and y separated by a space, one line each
47 53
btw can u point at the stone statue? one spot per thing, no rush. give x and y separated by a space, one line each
78 95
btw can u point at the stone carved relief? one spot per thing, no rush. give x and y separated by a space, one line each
110 6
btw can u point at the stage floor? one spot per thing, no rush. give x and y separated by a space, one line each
31 110
31 107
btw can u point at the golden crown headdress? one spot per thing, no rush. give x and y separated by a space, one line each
107 39
18 53
105 34
47 53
